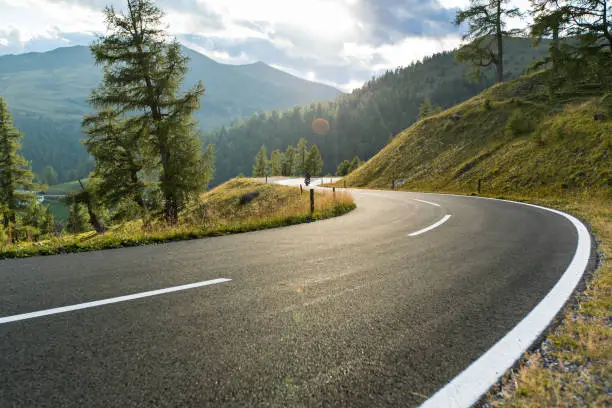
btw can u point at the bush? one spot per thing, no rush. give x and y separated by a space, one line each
486 105
518 124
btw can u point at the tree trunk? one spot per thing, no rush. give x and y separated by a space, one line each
93 218
606 32
555 44
500 45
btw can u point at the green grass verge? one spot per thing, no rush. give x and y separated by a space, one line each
218 212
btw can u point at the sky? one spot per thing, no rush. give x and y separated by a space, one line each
339 42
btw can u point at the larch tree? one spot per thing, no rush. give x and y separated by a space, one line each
15 173
314 161
288 165
486 21
276 162
143 73
208 165
260 168
116 144
49 176
302 152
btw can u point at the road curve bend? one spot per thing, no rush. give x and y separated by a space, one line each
358 310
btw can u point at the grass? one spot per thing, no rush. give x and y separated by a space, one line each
66 188
218 212
573 367
524 146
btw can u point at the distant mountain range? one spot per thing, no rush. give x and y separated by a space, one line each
47 94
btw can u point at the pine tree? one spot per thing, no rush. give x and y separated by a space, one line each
276 161
48 225
208 164
260 167
143 72
300 162
77 217
486 31
314 161
49 176
15 173
355 163
289 161
343 168
585 58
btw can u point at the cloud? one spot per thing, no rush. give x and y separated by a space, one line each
342 42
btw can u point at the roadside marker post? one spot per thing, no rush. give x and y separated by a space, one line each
312 202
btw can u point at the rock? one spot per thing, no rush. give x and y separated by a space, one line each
248 197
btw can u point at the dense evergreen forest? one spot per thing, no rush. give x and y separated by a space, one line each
364 121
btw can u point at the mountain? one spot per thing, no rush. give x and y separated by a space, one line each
47 93
363 122
512 139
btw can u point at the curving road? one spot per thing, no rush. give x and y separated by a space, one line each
353 311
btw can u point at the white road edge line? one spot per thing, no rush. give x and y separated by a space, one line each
102 302
472 383
426 202
437 224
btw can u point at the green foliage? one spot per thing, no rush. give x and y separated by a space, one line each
49 176
116 144
289 164
276 161
581 59
344 168
260 168
518 124
355 163
48 224
302 152
427 109
486 105
15 172
314 161
486 32
140 97
208 164
77 219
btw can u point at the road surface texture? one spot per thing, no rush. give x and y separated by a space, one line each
353 311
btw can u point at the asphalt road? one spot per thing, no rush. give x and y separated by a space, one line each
350 311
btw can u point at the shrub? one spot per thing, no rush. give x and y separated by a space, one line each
487 104
518 124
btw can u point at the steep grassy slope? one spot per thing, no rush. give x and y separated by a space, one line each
511 137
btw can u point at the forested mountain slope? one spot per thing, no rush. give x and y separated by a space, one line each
47 94
363 122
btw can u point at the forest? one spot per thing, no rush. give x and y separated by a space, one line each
364 121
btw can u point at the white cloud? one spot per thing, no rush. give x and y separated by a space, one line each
404 52
340 42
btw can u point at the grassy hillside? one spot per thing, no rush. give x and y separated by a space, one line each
224 210
511 137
